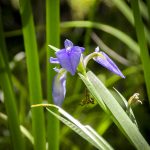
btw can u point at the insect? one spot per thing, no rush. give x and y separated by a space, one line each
87 100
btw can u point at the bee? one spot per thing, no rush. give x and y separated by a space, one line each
87 100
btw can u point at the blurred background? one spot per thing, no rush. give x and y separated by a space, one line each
108 12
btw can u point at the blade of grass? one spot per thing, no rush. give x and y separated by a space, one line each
18 85
106 28
143 9
33 74
10 105
9 96
144 53
100 92
124 104
124 9
84 131
52 38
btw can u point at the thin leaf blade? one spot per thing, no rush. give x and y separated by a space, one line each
115 111
85 132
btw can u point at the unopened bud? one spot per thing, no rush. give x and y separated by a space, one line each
134 99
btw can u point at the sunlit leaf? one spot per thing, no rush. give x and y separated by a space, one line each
119 116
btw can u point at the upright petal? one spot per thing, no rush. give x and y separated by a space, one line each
75 58
69 60
59 88
106 62
68 43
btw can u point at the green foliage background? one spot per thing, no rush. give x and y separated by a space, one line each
88 23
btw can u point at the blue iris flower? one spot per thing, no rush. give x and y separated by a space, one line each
69 59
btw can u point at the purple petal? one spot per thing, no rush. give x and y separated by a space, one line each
68 43
54 60
69 59
59 88
106 62
81 48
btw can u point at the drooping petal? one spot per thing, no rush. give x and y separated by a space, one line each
68 44
106 62
59 88
54 60
69 59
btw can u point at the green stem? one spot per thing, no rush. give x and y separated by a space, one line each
33 74
91 56
142 43
52 38
10 101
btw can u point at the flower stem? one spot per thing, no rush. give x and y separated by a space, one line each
90 56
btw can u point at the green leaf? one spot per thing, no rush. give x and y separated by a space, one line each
124 104
34 77
9 95
144 50
85 132
119 116
92 90
52 38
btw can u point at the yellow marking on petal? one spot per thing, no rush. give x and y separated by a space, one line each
101 55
